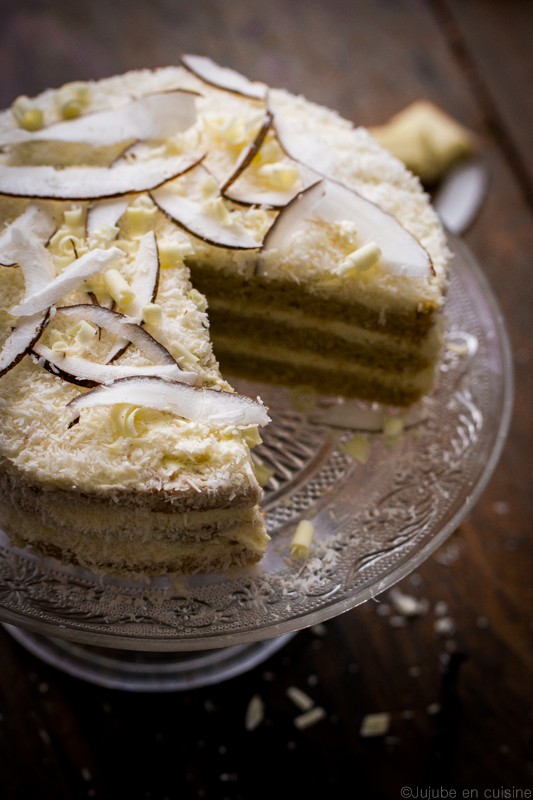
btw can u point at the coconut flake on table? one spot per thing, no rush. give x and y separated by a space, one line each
407 605
219 408
154 116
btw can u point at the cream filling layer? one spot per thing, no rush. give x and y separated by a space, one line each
307 361
123 525
245 538
301 320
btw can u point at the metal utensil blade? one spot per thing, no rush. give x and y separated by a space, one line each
460 195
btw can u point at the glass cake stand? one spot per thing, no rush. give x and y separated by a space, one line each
375 521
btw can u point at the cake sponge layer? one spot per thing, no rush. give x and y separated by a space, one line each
166 548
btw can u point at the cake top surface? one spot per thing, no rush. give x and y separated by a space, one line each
111 187
239 156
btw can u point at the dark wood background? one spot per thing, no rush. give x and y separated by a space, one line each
460 699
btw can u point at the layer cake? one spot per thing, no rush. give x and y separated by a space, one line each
162 231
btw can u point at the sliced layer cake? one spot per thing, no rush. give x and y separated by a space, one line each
125 203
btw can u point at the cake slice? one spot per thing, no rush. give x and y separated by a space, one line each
153 223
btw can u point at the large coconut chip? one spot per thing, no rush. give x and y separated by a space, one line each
154 116
87 183
401 253
121 326
223 77
21 340
218 408
192 212
90 373
68 280
33 220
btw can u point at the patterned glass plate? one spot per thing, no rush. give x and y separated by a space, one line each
374 521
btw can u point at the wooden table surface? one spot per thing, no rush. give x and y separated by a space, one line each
456 679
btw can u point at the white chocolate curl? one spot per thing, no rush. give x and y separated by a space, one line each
302 539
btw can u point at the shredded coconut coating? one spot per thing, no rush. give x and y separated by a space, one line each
165 452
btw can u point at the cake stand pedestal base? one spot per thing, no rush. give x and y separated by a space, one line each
136 671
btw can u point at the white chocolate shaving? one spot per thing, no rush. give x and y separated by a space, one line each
360 260
393 428
28 115
308 718
118 287
123 418
300 698
375 725
302 539
152 313
84 333
254 713
358 448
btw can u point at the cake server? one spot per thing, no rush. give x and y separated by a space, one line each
460 194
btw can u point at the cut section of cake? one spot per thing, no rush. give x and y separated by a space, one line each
155 224
336 273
